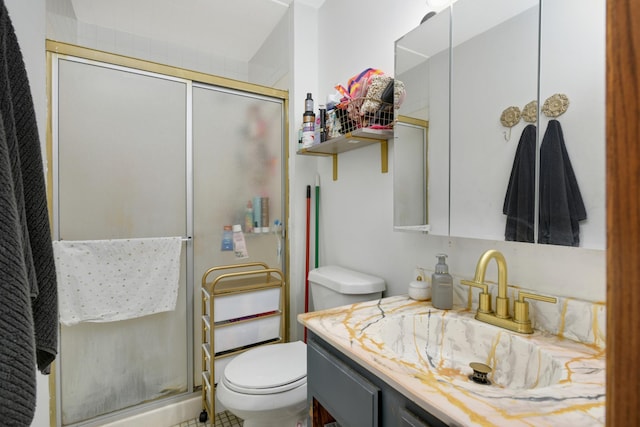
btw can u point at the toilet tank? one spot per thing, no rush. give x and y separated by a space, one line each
333 286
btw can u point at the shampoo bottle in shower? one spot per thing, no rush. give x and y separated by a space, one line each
442 285
227 238
239 244
248 218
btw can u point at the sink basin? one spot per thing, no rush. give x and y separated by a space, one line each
447 342
540 379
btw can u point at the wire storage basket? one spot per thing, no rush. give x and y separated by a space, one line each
361 113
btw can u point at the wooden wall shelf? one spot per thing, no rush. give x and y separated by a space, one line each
351 141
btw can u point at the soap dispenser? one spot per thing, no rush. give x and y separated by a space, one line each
442 285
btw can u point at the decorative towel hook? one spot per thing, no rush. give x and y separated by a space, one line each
530 112
555 105
509 118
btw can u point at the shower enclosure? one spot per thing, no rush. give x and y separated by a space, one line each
141 150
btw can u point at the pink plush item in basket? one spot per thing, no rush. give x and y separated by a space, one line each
363 104
357 86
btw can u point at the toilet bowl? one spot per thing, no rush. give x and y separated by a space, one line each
267 386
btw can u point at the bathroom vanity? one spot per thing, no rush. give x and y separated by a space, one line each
348 392
400 362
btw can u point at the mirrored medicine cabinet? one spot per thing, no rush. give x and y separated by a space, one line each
422 65
462 68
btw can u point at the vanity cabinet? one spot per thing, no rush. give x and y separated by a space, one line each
352 395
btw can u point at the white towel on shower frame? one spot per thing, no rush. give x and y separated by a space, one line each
110 280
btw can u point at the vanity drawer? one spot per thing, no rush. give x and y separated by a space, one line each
349 397
409 419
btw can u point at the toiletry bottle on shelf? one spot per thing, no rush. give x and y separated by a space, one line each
442 285
308 104
323 123
308 123
309 117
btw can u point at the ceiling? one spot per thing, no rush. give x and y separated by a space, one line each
229 28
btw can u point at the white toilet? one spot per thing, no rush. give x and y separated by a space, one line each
267 386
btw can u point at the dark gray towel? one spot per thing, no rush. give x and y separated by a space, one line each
561 205
519 202
28 294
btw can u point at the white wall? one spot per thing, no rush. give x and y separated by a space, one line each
302 169
356 212
270 65
62 26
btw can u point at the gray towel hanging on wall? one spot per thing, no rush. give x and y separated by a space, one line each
519 201
561 205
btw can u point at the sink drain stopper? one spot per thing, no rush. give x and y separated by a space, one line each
480 371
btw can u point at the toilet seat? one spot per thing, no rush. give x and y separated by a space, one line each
269 369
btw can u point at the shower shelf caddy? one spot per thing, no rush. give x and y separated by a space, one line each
243 306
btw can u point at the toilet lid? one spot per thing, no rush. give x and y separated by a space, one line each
268 369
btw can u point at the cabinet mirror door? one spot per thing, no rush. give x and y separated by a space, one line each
480 72
421 197
572 62
494 67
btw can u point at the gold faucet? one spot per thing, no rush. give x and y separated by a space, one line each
520 321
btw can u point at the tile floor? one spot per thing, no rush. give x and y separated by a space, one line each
223 419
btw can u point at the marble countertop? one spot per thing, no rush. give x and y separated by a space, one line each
538 380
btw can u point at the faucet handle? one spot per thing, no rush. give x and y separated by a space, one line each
521 307
484 297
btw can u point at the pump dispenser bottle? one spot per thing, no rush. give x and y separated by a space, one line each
442 285
308 103
308 123
309 117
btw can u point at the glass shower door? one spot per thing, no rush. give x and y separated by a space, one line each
138 154
237 160
121 173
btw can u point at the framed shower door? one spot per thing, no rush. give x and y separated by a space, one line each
237 158
144 150
121 169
